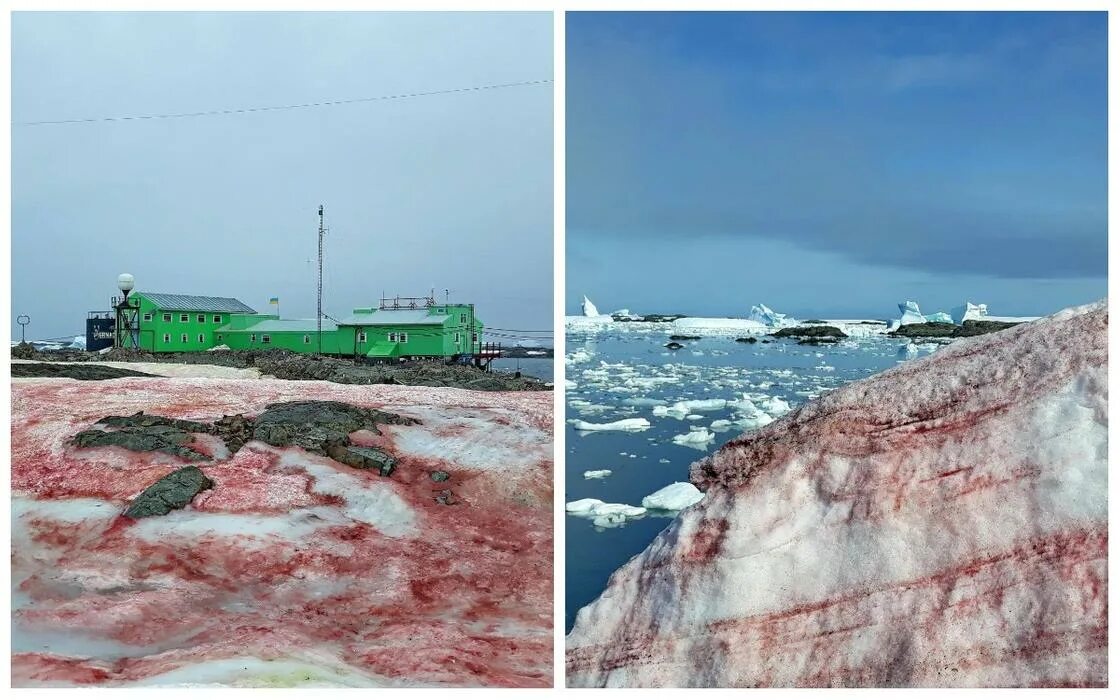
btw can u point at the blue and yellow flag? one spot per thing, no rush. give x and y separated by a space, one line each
274 300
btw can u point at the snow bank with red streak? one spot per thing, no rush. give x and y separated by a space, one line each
941 524
293 569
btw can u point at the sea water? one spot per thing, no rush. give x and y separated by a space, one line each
625 373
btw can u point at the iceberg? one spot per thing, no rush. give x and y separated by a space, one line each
676 496
969 312
941 524
910 313
596 474
939 317
78 343
589 308
761 313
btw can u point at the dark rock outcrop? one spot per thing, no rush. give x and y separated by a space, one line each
84 371
674 345
750 339
158 437
320 427
172 492
810 332
950 330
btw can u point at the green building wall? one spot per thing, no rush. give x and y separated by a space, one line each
169 330
175 331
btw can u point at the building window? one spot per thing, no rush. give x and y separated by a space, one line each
306 340
456 338
392 337
217 318
167 318
184 318
474 337
185 338
202 338
362 337
167 337
219 336
147 317
404 337
266 339
202 318
252 337
462 318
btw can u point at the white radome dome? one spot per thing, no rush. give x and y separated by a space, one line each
125 282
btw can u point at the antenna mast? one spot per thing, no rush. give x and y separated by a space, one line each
319 288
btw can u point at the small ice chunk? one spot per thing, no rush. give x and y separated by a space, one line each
695 436
596 474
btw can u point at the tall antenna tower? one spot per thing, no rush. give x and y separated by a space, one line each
319 287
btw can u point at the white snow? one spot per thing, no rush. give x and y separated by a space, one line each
675 496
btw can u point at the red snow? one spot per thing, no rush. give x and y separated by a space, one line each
940 524
466 599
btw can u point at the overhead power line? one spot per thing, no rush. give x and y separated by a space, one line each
277 108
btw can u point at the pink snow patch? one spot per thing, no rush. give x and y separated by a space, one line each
944 523
291 559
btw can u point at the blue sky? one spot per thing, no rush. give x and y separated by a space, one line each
436 192
836 163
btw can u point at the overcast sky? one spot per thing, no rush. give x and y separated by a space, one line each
836 164
446 192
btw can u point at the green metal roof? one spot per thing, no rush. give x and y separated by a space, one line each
395 317
186 302
287 325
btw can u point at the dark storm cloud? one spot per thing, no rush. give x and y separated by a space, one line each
938 143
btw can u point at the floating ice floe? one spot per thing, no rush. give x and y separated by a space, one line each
717 326
675 496
695 436
908 351
596 474
603 514
626 424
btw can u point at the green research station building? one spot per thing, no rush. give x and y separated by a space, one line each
398 328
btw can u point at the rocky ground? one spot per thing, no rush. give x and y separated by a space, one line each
284 364
88 372
263 532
